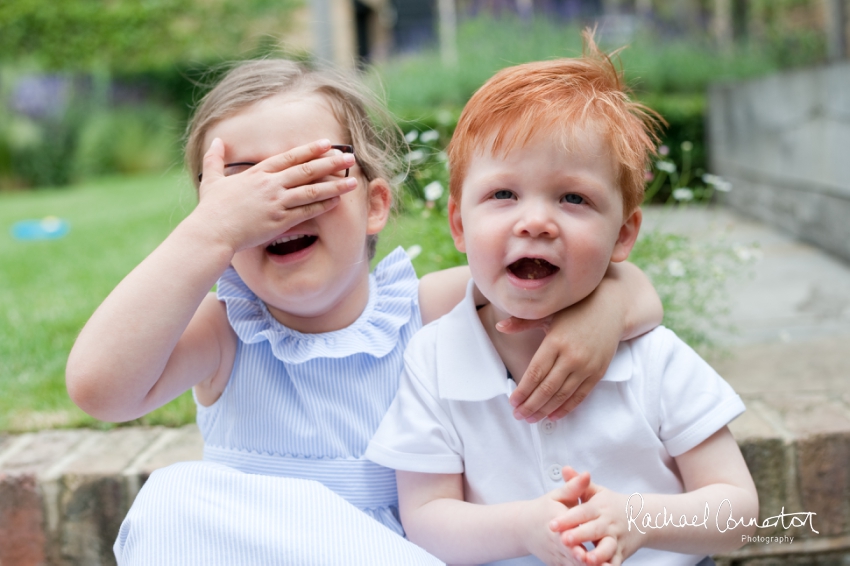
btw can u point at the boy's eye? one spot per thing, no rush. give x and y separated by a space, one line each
572 199
503 194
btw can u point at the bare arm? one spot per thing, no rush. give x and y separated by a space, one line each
149 341
719 486
436 518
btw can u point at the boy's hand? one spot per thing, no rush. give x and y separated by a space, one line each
573 357
253 207
541 540
600 519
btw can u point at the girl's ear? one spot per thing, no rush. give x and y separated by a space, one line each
628 236
380 204
456 225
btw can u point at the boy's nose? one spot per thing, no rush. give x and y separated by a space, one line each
536 221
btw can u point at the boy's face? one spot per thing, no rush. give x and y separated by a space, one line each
540 224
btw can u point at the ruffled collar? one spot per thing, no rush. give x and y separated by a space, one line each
393 300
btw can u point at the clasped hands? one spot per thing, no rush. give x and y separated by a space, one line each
580 512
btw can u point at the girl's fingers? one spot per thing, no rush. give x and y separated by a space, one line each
577 396
300 196
295 156
513 324
317 168
301 213
213 163
535 387
569 383
553 389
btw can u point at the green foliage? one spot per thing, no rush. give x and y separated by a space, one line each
127 140
418 85
123 34
690 278
86 140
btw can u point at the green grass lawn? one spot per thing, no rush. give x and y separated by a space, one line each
50 288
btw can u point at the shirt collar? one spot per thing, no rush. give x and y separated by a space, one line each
469 367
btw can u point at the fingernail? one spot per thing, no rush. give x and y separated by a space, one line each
348 158
323 144
351 182
514 402
532 420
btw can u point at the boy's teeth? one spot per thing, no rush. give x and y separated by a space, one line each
287 239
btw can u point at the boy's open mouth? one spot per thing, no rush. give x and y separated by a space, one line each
291 244
532 268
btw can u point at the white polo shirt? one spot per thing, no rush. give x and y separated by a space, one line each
452 415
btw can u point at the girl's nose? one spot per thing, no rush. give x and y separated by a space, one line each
536 221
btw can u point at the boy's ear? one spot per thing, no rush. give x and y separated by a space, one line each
456 225
628 236
380 204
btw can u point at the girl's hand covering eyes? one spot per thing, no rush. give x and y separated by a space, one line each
262 202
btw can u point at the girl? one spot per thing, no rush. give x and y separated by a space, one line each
295 359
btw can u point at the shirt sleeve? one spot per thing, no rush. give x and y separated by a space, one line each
417 434
693 401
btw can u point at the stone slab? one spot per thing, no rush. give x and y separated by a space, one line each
112 453
187 444
43 451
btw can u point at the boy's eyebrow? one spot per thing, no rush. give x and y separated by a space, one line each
568 180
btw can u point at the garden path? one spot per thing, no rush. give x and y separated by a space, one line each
790 308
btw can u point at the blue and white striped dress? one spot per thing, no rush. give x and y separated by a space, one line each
283 475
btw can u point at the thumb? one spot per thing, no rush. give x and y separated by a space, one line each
514 325
213 164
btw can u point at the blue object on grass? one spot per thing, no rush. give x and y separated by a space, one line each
48 228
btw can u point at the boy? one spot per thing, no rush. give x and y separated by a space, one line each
547 167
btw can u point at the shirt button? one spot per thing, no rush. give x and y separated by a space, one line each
548 426
555 472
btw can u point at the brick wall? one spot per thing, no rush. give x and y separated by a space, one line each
63 494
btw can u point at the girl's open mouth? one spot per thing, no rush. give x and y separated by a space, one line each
532 268
291 244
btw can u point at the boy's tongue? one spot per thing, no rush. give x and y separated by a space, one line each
532 268
291 246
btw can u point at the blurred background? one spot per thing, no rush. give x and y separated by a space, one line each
95 95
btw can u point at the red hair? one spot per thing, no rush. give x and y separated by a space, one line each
565 94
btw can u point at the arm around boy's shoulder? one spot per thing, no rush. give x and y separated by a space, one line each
684 399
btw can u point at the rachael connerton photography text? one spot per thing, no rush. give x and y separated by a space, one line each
722 521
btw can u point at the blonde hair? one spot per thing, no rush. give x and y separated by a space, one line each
565 94
376 138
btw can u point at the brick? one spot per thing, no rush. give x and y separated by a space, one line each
823 470
769 466
22 537
765 452
92 499
821 429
